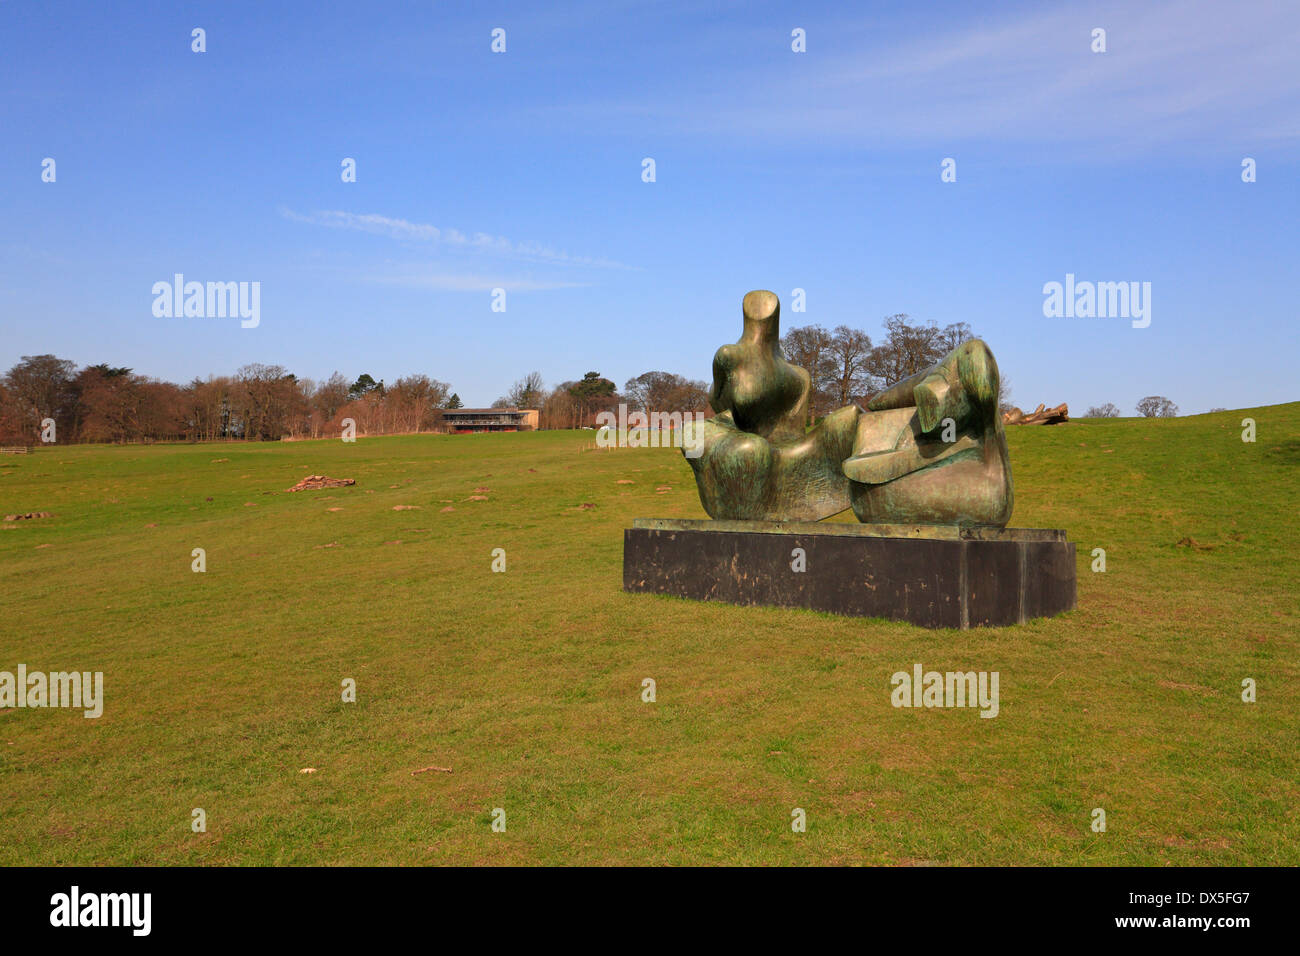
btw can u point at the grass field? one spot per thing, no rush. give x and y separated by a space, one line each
221 687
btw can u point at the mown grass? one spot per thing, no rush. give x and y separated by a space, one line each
220 687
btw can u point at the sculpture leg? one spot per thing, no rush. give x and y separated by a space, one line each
733 469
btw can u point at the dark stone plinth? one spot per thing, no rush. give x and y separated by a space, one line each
934 576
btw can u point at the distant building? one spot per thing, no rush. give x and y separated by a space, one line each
462 421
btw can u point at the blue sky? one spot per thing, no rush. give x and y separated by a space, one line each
774 169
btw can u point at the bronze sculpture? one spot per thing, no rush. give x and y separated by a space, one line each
928 450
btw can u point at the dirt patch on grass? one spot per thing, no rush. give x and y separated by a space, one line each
312 482
1174 685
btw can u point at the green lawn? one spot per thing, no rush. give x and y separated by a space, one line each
221 687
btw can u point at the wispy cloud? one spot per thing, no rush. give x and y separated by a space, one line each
1176 72
454 282
528 251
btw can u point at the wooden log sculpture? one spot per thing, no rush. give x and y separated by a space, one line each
1039 416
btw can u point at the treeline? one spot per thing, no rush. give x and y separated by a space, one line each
102 403
575 404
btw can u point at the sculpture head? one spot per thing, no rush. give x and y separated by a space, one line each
763 393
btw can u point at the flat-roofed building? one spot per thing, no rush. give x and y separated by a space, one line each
462 421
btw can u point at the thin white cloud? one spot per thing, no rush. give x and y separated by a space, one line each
529 250
378 225
451 282
1176 72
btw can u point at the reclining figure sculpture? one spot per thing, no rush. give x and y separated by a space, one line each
928 450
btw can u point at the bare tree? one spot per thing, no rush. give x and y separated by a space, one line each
11 429
414 403
809 347
951 336
1157 406
329 396
267 397
161 412
1004 393
44 386
528 392
666 392
208 409
905 351
909 348
560 409
1109 410
110 402
850 353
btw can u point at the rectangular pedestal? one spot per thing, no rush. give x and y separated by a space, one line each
928 575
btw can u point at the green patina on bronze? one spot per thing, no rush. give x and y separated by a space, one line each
929 450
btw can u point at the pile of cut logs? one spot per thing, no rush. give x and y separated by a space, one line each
313 482
1039 416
